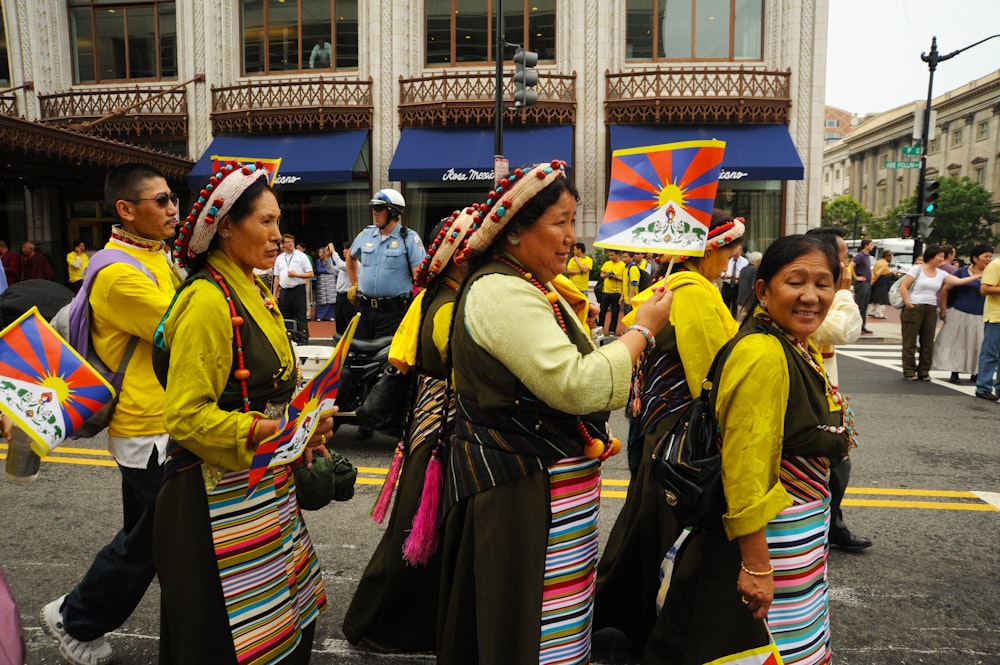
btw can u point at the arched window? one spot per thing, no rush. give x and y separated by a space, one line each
686 30
123 40
462 32
299 35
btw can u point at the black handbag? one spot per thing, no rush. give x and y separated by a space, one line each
687 461
384 409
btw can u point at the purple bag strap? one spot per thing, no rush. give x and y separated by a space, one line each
79 308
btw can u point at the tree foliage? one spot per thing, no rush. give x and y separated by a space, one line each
848 213
963 217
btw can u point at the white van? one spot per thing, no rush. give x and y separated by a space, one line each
901 248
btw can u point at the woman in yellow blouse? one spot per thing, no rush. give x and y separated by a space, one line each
700 323
764 566
249 594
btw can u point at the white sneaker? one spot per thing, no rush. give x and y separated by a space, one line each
95 652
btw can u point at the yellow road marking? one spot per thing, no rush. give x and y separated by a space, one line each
978 504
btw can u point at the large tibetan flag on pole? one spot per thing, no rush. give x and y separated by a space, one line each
298 422
661 198
46 387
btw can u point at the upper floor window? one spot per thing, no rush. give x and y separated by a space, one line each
956 138
694 29
4 60
933 145
123 40
299 35
462 32
832 122
983 130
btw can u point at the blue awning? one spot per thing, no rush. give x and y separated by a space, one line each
465 154
753 152
306 159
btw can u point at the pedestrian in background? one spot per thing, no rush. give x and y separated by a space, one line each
918 320
125 303
76 264
239 578
956 349
613 274
326 284
345 308
291 270
729 283
861 269
11 263
882 279
34 264
383 262
988 381
748 276
578 268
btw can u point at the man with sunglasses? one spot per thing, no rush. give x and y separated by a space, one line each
383 262
127 299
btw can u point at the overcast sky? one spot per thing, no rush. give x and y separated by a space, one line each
874 64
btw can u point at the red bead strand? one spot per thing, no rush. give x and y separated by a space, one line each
242 373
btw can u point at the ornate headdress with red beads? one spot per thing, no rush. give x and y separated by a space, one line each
214 201
503 203
446 244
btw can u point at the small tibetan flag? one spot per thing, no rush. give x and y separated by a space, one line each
46 387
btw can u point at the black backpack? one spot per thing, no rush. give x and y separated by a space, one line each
645 279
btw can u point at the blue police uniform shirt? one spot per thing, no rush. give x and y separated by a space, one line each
384 271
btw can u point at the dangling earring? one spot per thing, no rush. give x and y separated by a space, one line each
513 239
226 234
763 303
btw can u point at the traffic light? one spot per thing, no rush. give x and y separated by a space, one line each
906 227
925 225
525 77
930 197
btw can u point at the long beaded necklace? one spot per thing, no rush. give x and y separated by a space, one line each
833 392
241 373
592 448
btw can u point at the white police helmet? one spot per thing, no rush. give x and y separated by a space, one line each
391 198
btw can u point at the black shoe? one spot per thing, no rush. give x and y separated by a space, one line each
865 331
911 378
843 539
954 378
974 378
981 394
364 433
925 377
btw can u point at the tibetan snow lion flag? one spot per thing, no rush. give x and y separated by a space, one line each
301 416
46 387
661 198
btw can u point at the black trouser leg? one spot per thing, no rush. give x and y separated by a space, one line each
840 476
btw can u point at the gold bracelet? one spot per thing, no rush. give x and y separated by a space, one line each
754 572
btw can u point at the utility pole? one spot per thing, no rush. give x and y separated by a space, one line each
498 158
932 59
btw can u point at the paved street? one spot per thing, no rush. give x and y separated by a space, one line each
924 489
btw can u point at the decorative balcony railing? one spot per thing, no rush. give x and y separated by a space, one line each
119 113
469 98
8 103
298 105
698 95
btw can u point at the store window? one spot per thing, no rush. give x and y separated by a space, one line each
462 32
299 35
123 40
694 29
4 60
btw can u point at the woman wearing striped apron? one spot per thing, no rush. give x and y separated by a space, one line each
239 578
519 547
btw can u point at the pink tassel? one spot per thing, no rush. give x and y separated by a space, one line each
421 544
381 506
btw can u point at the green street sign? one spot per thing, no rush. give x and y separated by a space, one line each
902 165
912 150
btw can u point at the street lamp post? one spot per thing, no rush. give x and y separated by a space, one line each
932 59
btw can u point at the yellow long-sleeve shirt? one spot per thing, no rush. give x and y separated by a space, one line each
124 302
199 334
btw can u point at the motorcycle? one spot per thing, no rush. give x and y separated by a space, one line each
366 361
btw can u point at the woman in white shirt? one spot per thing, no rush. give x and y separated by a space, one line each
920 288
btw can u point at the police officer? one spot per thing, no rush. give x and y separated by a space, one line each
389 255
